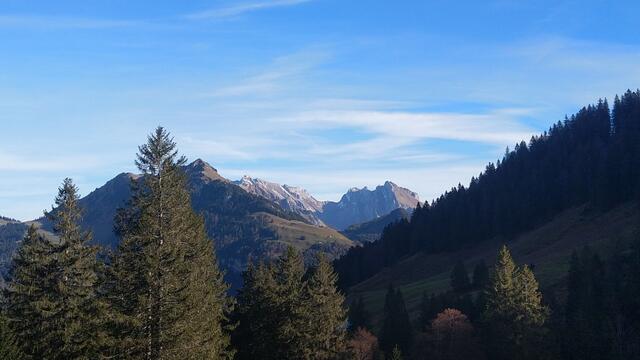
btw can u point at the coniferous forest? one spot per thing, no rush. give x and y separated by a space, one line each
161 294
591 157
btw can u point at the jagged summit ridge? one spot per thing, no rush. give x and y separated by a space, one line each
357 205
290 198
362 205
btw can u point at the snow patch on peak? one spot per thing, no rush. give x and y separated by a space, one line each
290 198
356 205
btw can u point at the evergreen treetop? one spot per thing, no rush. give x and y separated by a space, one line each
284 314
396 329
514 314
34 311
500 294
77 260
325 339
172 295
52 305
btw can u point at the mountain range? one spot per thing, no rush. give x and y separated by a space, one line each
248 219
290 198
355 207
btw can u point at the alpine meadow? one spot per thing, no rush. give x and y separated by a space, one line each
362 204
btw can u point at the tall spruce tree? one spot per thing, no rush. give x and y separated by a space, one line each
396 329
460 278
499 312
514 314
358 315
255 314
501 299
283 314
271 311
170 299
586 335
531 315
326 319
80 309
53 306
289 306
34 309
122 289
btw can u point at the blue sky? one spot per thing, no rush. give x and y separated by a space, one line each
324 94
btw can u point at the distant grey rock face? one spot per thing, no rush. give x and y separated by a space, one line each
362 205
356 206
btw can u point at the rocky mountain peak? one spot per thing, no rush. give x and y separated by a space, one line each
361 205
202 170
357 205
288 197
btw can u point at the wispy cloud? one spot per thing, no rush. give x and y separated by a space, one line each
359 136
285 105
55 22
226 148
236 10
283 73
496 127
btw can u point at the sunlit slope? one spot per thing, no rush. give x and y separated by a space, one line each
303 236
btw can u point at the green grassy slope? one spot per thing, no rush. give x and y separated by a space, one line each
548 248
303 236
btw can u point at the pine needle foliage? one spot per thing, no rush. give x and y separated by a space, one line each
34 311
283 314
9 348
169 298
80 309
325 338
51 301
396 328
514 314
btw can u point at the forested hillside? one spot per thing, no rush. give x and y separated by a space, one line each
592 157
547 248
